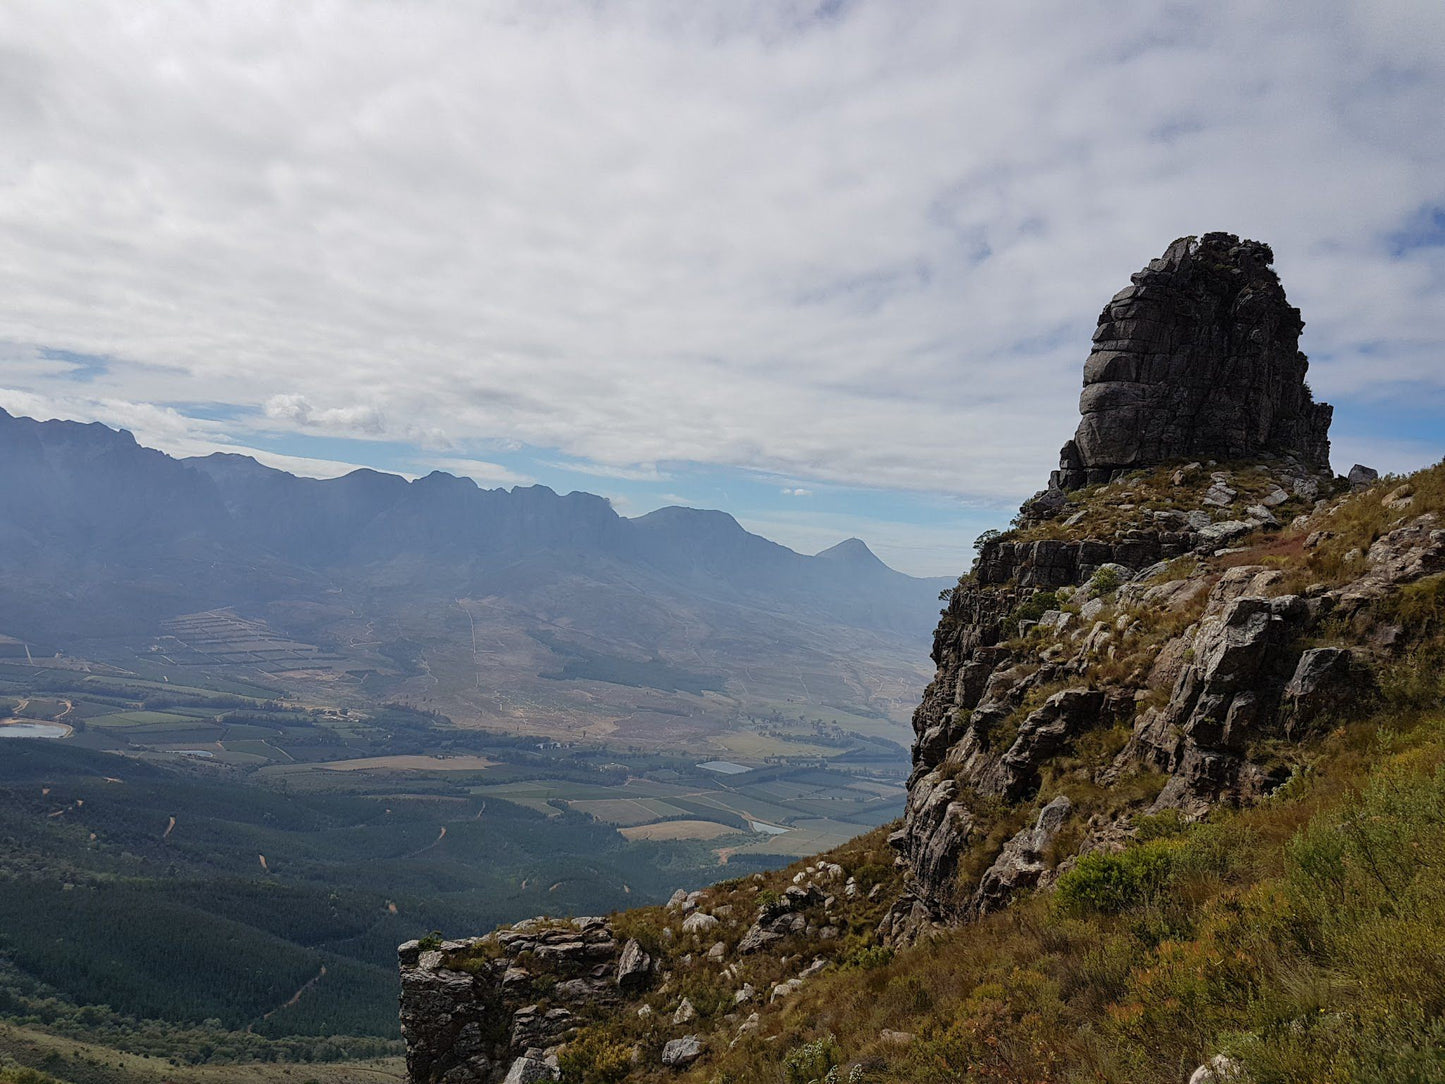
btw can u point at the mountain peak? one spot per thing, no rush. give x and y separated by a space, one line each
853 551
677 515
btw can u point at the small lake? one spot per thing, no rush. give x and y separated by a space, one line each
33 730
767 829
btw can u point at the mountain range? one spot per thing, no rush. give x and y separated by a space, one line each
106 541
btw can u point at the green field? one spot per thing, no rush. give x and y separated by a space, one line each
142 718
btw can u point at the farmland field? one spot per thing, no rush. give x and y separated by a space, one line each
678 830
410 764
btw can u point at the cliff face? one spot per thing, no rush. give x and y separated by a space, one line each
1197 359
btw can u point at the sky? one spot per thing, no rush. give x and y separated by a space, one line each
832 267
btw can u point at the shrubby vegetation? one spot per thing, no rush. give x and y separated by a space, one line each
1304 936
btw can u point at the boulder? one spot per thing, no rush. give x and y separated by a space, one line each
527 1070
699 922
756 939
1216 535
1362 477
679 1053
1325 681
634 967
1220 1069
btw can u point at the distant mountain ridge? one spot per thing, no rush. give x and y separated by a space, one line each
88 500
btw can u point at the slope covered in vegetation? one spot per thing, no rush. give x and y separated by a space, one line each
1297 931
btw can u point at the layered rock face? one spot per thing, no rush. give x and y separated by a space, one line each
490 1008
1131 608
1197 359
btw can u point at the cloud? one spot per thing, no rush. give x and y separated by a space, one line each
862 246
796 491
620 472
348 419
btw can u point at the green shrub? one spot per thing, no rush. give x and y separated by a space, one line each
984 539
812 1062
1417 680
868 957
593 1058
1105 581
1034 607
1110 883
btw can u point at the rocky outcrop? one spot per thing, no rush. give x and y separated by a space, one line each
1240 660
491 1008
511 1006
1020 865
1197 359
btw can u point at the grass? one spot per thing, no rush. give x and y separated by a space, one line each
31 1056
124 719
1304 936
1118 505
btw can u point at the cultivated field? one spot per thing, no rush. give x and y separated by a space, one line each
678 830
410 764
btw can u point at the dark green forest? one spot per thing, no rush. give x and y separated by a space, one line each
263 895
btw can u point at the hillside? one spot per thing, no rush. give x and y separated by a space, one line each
1176 805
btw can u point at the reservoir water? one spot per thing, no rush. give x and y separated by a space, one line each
10 729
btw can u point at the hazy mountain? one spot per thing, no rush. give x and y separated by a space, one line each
108 540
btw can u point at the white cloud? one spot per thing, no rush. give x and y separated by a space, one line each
796 491
298 409
620 472
864 250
